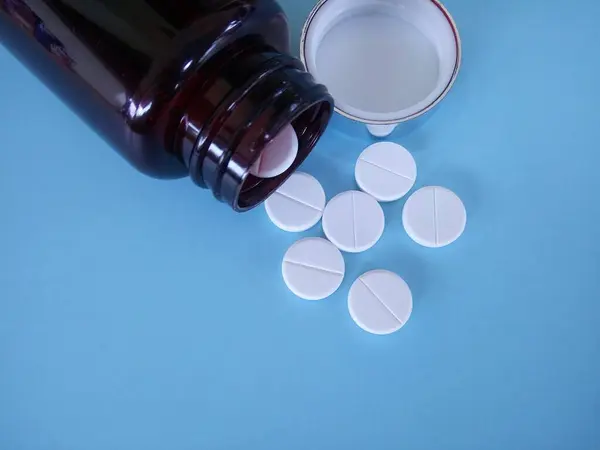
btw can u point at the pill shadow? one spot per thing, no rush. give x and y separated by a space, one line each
334 180
393 212
413 134
333 160
341 126
415 142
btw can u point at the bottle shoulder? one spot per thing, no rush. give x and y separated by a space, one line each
209 31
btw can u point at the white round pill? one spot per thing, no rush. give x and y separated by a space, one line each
434 216
353 221
298 204
380 302
313 268
278 155
385 170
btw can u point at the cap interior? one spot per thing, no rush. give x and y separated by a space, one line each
382 60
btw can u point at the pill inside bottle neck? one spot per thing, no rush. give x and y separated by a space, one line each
278 155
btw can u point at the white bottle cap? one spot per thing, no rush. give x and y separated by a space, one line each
384 62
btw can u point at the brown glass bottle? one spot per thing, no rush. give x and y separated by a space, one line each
185 87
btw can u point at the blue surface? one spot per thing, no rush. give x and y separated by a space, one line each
123 326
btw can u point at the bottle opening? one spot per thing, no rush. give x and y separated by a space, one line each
307 127
267 114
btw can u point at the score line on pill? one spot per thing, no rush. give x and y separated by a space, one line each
353 221
298 204
386 170
278 155
434 217
313 268
380 302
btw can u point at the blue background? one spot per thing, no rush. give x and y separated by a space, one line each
125 324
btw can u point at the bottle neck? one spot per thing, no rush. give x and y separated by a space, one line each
243 98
